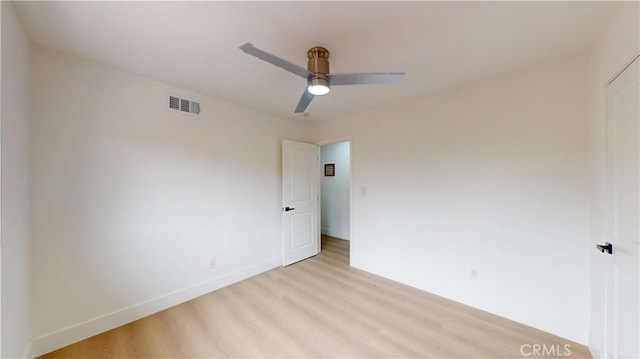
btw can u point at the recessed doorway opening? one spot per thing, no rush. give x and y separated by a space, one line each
335 198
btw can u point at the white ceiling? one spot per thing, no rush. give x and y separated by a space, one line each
195 44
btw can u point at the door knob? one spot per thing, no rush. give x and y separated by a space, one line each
606 247
287 209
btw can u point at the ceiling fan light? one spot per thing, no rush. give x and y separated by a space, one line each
318 90
318 86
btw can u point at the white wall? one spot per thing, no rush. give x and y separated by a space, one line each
491 176
15 237
335 190
619 44
131 200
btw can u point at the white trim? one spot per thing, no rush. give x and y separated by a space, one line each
28 351
508 310
74 333
335 140
595 353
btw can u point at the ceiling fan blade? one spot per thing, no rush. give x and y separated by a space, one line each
274 60
366 78
305 100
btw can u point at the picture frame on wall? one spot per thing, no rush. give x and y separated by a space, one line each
329 169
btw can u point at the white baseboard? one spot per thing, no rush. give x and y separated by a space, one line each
69 335
28 351
512 311
336 234
594 345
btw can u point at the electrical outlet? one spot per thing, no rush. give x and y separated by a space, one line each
474 274
212 262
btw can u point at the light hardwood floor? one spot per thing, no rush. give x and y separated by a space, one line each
319 307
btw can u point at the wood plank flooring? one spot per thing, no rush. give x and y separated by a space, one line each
319 307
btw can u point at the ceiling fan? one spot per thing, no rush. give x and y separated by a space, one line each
317 74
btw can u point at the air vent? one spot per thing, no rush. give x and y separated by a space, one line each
184 105
174 103
195 107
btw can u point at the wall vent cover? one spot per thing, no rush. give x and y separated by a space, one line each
183 105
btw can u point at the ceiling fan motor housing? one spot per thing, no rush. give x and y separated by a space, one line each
318 60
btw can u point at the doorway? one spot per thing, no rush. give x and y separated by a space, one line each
335 194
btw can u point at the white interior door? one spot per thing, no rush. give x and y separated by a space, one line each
299 201
623 223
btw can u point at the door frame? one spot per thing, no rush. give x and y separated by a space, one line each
610 339
348 138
